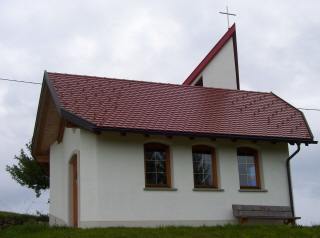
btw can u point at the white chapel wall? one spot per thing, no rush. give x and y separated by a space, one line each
60 177
220 72
112 182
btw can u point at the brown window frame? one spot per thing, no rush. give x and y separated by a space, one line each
256 163
154 145
214 165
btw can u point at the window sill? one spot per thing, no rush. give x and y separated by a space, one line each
208 189
160 189
253 190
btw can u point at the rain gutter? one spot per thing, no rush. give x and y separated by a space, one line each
289 178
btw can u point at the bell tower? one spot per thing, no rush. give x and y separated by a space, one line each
219 69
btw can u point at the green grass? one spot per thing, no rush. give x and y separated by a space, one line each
34 231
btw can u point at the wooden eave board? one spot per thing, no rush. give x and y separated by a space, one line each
48 125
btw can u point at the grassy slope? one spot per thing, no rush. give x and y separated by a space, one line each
33 230
7 214
25 217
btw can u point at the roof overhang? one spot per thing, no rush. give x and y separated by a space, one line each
51 120
211 136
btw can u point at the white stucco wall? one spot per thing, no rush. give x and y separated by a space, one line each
61 175
220 72
111 181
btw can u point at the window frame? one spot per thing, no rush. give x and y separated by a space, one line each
256 163
214 166
155 145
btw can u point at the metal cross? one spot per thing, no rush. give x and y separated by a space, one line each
227 13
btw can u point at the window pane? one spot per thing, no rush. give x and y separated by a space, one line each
197 156
151 178
161 178
198 179
250 158
150 155
242 169
243 180
197 167
252 176
202 168
155 163
207 157
150 166
247 170
161 166
208 179
207 168
160 155
241 158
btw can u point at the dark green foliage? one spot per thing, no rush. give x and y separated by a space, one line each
28 172
25 217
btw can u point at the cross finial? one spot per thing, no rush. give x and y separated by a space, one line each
227 13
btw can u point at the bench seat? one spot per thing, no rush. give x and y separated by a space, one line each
246 212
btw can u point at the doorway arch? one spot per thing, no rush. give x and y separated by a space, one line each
74 190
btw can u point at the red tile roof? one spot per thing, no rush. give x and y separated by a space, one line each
117 104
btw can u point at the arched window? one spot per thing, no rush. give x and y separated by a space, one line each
204 167
248 165
157 165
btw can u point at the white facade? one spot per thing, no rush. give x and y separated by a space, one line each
221 70
111 181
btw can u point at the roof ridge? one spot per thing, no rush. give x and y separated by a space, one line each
161 83
82 75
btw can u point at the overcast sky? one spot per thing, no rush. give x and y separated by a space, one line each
161 41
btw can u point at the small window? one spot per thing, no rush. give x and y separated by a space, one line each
204 167
248 166
157 165
199 82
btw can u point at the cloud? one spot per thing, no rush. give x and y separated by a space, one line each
160 41
309 210
3 109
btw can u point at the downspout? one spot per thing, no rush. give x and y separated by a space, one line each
289 177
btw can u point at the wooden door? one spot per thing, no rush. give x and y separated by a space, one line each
75 193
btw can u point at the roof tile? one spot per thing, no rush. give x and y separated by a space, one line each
126 104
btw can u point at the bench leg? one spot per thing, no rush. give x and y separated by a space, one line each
288 221
243 220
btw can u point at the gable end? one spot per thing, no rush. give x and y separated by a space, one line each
229 36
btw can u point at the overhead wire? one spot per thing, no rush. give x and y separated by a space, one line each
18 81
310 109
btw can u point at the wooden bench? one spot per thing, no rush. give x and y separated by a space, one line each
246 212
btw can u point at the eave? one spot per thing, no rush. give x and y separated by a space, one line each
51 120
211 136
46 129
